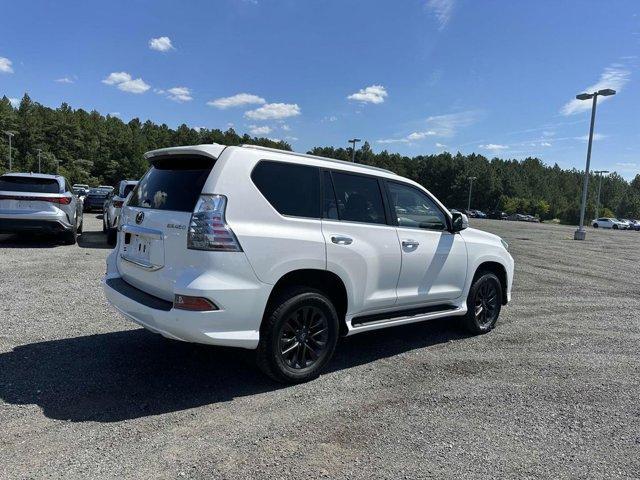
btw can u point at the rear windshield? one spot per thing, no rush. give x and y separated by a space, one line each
128 189
173 183
28 184
98 191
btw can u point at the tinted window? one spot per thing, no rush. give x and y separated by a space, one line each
359 198
330 206
415 209
291 189
128 189
173 183
29 184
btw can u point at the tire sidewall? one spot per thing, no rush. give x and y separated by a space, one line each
483 277
277 319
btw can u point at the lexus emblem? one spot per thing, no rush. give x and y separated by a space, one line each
139 217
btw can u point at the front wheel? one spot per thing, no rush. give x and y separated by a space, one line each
298 336
615 227
595 225
483 303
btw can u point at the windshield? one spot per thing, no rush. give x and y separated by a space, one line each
29 184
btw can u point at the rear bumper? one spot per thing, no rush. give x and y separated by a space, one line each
90 204
37 223
235 324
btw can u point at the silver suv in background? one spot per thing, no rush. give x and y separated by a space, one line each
112 206
39 203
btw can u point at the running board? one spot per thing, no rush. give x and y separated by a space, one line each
402 315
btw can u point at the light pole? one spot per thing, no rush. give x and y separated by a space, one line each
581 233
10 135
471 179
353 150
599 173
39 162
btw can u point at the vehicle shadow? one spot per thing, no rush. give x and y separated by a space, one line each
93 240
25 240
133 373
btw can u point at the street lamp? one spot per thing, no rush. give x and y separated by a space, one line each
353 151
471 179
581 233
599 173
39 162
10 135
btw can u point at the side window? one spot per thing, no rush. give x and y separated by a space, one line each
330 205
67 186
414 209
359 198
290 188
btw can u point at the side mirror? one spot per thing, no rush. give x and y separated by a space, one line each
460 222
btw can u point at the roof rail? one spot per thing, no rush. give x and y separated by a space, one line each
315 157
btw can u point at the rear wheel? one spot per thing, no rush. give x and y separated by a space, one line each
615 227
298 336
112 236
595 225
483 303
69 237
104 224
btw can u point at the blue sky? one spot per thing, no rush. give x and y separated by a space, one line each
411 76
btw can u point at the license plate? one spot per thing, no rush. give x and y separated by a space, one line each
24 204
139 248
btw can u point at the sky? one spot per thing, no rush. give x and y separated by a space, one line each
495 77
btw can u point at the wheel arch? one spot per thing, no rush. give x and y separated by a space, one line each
327 282
499 271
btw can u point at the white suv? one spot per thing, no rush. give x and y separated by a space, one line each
281 252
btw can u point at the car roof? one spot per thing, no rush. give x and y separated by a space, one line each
34 175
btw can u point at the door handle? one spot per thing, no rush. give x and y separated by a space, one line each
410 243
341 240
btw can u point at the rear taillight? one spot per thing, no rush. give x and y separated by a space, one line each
195 304
208 229
117 203
59 200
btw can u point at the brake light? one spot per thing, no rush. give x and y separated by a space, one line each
118 203
59 200
195 304
208 229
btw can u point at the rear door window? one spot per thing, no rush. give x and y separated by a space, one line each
359 198
127 189
173 183
290 188
29 184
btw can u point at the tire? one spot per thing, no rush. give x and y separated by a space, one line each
69 237
112 236
595 225
298 322
79 229
615 227
104 224
483 303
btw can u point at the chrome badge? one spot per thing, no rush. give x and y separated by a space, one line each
139 217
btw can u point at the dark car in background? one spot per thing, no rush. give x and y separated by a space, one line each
95 199
497 215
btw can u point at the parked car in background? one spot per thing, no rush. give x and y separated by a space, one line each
280 252
470 213
80 192
39 203
480 214
517 217
81 185
627 223
531 218
112 207
106 187
635 225
497 215
95 199
608 222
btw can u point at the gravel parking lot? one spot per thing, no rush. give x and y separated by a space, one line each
551 393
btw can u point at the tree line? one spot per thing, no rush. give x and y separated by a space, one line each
88 147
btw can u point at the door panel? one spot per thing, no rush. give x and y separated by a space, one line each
367 258
434 266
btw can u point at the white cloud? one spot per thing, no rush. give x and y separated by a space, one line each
177 94
545 144
441 145
626 164
5 65
331 118
392 140
285 127
238 100
615 76
15 102
442 10
493 147
447 125
65 80
161 44
420 135
263 130
274 111
293 139
274 139
115 114
372 94
126 83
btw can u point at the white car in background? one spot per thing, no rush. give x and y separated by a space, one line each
112 207
607 222
39 203
283 253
